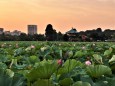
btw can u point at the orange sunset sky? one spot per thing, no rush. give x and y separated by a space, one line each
62 14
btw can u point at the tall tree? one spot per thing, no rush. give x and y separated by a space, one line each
59 36
50 33
99 30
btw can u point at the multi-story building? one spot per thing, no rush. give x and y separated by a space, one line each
72 34
1 30
32 29
15 33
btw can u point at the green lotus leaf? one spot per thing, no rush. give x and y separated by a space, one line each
9 72
98 58
28 49
98 70
69 65
43 71
33 59
112 66
44 48
69 54
20 66
66 82
43 82
3 58
7 78
112 59
3 66
19 51
80 83
78 54
108 52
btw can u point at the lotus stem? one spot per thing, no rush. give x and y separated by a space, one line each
68 65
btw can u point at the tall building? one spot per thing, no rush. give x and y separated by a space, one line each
32 29
1 30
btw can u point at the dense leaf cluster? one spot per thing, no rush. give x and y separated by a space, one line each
57 64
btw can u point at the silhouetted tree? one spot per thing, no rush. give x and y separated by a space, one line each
39 37
23 37
50 33
99 30
59 36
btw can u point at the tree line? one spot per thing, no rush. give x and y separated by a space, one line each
52 35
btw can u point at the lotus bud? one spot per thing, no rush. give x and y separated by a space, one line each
88 62
32 46
83 48
93 44
59 61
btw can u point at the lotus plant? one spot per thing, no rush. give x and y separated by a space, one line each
32 46
88 62
59 61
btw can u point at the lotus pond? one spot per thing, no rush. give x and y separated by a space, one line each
57 64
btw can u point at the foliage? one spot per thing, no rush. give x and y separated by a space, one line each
98 70
57 64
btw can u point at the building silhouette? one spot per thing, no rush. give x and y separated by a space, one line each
1 30
32 29
72 34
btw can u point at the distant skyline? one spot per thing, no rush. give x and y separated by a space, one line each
62 14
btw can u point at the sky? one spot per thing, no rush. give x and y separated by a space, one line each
62 14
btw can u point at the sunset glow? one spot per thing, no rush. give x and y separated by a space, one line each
62 14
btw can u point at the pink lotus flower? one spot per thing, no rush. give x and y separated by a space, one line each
59 61
32 46
88 62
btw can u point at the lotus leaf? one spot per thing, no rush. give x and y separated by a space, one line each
112 59
43 71
108 52
69 65
78 54
66 82
80 83
43 82
98 70
98 58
